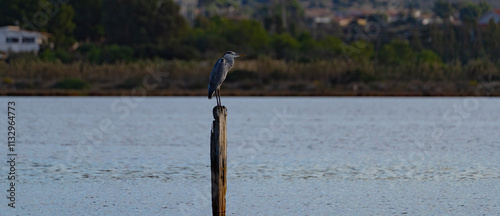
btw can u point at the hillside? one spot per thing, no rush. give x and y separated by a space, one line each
358 4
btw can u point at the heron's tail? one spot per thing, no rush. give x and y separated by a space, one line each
210 94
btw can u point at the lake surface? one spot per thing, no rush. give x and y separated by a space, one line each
390 142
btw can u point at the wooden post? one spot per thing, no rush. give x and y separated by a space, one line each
218 161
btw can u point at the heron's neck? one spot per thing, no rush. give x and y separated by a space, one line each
229 60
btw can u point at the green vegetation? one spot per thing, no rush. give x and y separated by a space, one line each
264 75
108 44
72 83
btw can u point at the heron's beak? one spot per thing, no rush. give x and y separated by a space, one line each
240 55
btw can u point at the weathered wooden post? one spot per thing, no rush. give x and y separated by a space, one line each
218 161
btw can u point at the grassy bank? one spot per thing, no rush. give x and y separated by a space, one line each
250 77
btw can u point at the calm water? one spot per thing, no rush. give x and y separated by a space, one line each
75 138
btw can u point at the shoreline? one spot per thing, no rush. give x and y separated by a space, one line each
240 93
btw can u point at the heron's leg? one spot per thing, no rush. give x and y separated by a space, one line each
220 101
217 96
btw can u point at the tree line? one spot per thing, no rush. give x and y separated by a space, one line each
108 31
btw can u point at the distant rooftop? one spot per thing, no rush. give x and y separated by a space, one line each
490 15
11 28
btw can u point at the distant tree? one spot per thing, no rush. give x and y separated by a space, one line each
251 33
114 53
41 15
61 27
437 35
446 41
307 42
492 40
274 24
396 52
443 9
12 11
428 56
470 12
130 22
416 43
219 34
485 7
295 16
333 44
88 18
284 16
359 50
284 45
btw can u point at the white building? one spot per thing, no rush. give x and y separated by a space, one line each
14 40
486 17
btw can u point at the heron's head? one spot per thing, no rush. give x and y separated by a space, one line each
231 54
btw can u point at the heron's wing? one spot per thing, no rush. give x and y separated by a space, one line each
216 77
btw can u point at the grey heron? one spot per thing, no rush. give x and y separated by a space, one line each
219 72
